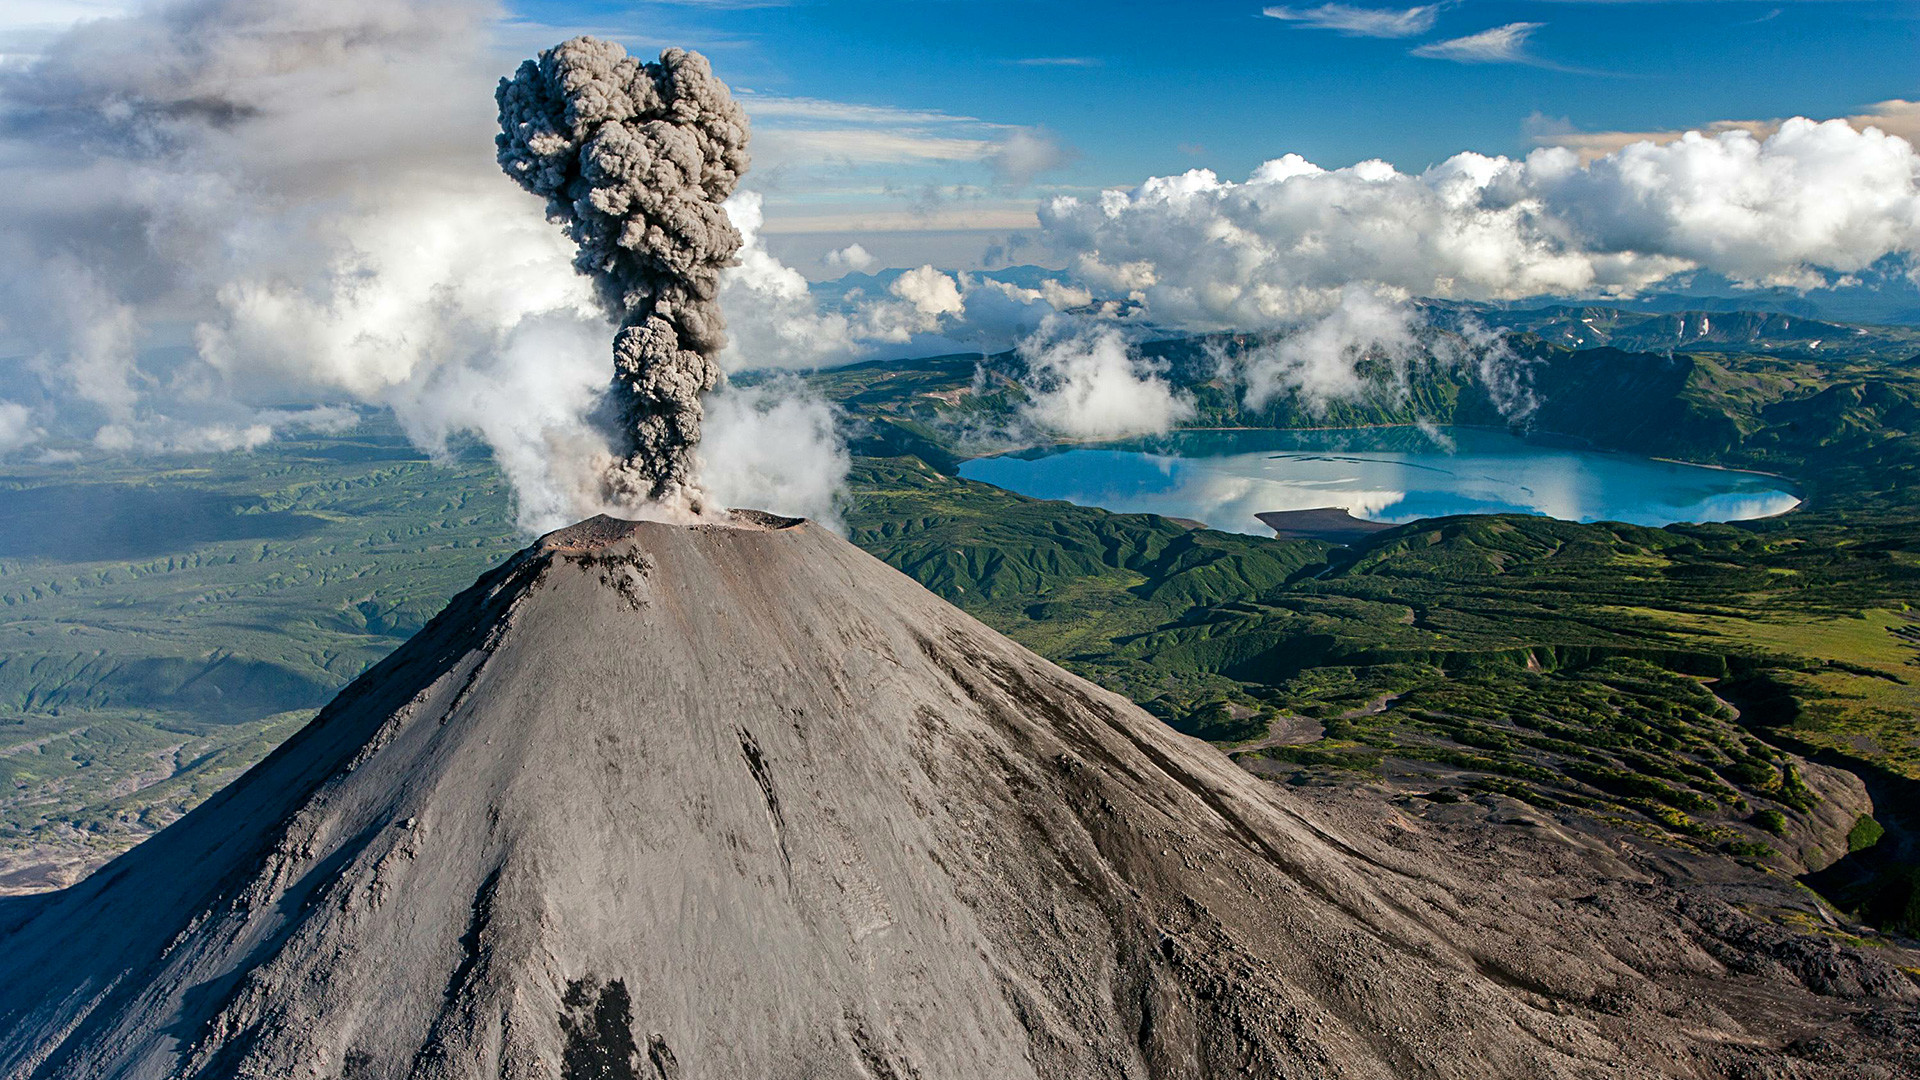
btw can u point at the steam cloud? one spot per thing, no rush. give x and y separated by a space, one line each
225 229
637 160
775 444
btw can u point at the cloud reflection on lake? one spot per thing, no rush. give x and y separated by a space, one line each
1224 478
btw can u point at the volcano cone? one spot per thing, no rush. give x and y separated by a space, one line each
668 802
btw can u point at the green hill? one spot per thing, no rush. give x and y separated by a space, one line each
162 624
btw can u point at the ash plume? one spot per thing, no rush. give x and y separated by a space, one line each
636 160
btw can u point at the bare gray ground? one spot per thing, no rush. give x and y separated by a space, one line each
665 802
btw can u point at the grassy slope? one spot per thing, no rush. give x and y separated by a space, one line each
1557 663
1652 676
1601 669
146 652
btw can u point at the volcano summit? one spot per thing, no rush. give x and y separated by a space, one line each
741 801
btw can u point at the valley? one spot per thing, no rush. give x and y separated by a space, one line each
1717 692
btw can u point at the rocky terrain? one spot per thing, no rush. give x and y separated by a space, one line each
657 801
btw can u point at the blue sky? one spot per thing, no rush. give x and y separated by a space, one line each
927 130
219 210
1130 90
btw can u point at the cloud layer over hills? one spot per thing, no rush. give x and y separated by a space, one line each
1803 207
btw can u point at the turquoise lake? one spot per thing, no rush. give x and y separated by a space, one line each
1224 478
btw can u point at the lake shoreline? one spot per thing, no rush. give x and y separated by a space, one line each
1486 470
1583 444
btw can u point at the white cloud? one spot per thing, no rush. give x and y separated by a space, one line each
1500 45
1894 117
1360 21
311 188
931 292
1811 202
1321 361
1367 346
772 320
17 430
27 26
762 108
1086 382
851 257
797 132
923 300
833 218
844 167
1063 296
862 146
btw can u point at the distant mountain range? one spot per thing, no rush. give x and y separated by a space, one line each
1712 331
837 291
1882 296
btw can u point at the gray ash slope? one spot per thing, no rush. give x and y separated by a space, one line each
666 802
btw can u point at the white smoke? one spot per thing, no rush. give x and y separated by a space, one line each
1087 382
776 447
232 178
528 395
236 175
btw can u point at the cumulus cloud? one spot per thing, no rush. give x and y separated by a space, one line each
1894 117
929 291
1322 360
926 311
1360 21
1331 257
17 429
922 300
1809 203
1087 382
851 257
1499 45
772 320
